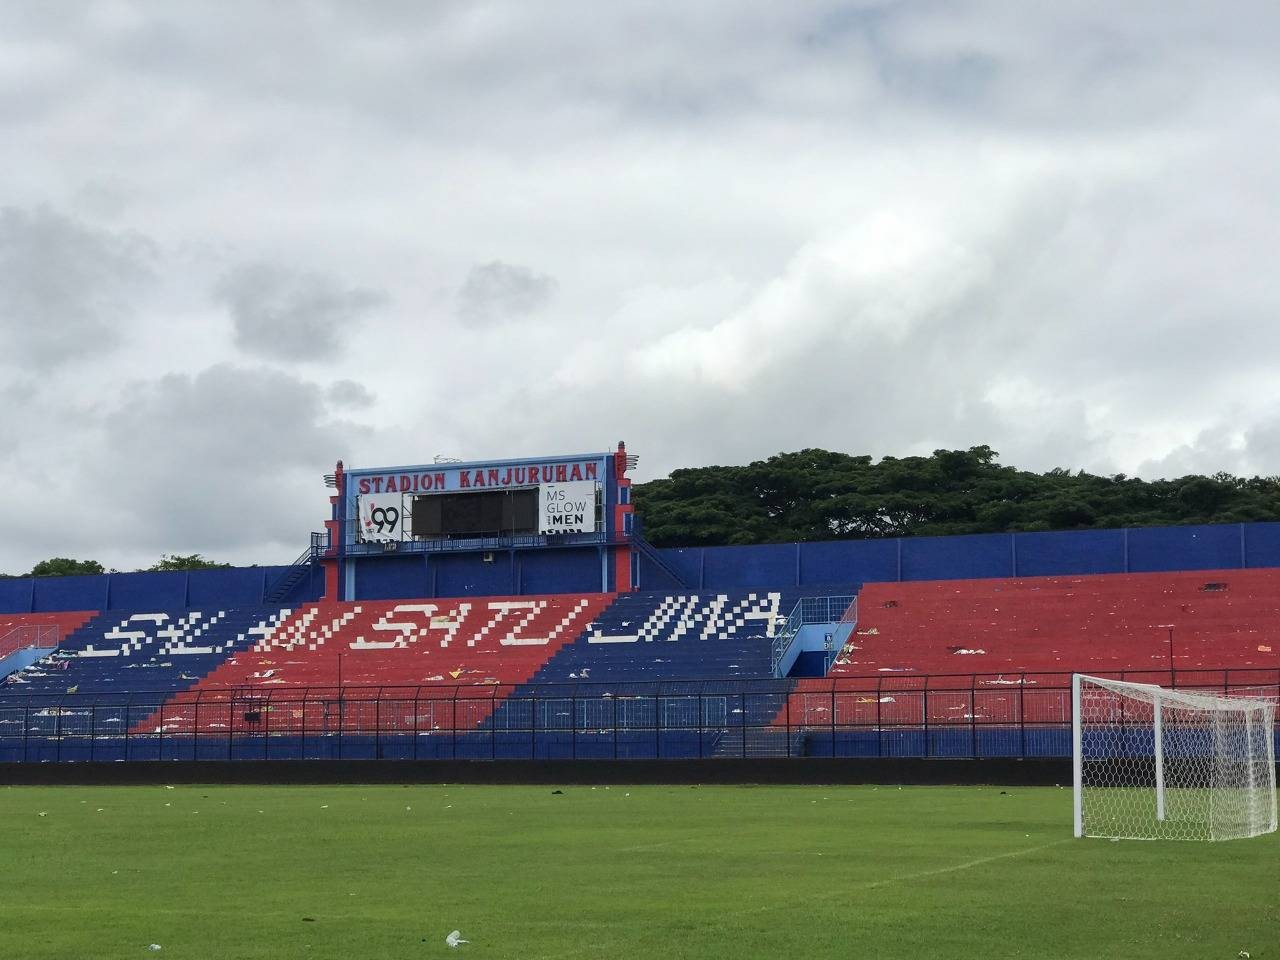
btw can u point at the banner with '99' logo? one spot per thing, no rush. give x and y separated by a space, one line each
381 517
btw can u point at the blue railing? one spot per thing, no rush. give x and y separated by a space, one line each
841 610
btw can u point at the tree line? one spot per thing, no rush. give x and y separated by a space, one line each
822 495
169 562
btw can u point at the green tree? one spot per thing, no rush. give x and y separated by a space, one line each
172 561
821 495
64 567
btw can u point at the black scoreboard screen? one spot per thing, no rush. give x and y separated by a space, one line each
450 515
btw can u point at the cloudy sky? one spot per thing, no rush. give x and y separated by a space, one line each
239 241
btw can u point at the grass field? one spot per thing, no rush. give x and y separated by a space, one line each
719 872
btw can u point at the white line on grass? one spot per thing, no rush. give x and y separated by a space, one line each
956 867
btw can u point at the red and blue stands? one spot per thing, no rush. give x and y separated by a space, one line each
1094 624
709 635
153 652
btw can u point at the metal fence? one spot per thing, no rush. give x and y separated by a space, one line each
42 636
896 715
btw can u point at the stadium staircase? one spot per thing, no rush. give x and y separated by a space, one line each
651 553
296 573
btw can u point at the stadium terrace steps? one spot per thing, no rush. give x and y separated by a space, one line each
1101 623
991 649
686 636
155 651
685 641
474 650
20 631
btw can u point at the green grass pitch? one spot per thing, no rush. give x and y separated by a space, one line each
386 872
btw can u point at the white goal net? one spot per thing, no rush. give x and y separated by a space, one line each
1152 763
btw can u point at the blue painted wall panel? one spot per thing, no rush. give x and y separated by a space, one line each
227 589
848 561
560 571
1262 544
957 558
763 566
1157 549
460 575
836 562
392 578
1083 551
148 591
70 593
15 596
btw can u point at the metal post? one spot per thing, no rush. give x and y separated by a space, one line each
264 711
377 726
417 695
1172 682
1022 713
879 719
533 727
1077 758
926 717
657 723
195 729
833 719
788 709
1158 709
702 720
303 747
973 716
573 725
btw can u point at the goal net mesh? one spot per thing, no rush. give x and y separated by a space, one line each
1153 763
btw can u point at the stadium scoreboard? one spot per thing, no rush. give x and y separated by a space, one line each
535 497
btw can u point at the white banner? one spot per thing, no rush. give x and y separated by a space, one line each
568 507
381 517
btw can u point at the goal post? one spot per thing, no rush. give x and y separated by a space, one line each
1154 763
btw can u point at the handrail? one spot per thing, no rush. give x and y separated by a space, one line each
832 609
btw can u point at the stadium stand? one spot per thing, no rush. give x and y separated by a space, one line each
709 635
1053 624
153 651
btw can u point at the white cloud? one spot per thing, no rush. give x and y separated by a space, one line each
877 227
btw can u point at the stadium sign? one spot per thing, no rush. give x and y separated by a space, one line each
568 507
471 477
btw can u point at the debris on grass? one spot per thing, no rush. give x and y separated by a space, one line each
455 938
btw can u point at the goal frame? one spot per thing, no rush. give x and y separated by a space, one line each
1156 693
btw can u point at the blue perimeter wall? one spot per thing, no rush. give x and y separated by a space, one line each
199 589
838 564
